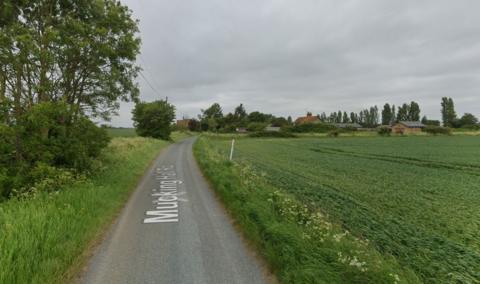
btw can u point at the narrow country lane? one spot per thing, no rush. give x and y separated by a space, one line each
173 230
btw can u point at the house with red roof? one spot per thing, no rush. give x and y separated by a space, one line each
307 119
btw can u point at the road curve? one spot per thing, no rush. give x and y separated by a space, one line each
173 230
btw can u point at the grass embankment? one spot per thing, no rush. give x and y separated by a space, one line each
41 239
299 242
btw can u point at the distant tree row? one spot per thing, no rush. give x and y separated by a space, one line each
213 119
406 112
370 117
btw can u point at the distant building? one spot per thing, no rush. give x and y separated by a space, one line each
406 127
272 129
183 123
307 119
241 130
348 125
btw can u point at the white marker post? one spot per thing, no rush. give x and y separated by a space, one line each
231 150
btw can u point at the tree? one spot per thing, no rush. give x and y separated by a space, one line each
414 112
468 119
323 117
387 114
154 119
394 115
427 121
345 117
403 112
369 117
279 122
212 117
448 112
240 113
61 64
257 116
194 125
353 117
339 117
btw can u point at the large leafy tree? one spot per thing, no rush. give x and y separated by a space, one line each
468 119
78 52
62 62
154 119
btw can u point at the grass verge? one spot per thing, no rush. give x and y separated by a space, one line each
43 237
300 244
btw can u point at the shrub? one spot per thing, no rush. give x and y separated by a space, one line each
51 142
272 134
471 126
334 133
50 138
46 178
349 129
435 130
256 126
312 127
384 131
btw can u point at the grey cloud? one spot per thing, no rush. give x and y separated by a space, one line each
287 57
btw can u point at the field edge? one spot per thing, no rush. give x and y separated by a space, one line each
270 232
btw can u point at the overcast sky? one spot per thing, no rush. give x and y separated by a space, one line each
290 57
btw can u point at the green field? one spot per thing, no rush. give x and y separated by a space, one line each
45 239
414 198
121 132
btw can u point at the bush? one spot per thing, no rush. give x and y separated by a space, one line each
256 126
384 131
53 149
272 134
312 127
471 126
435 130
49 138
334 133
349 129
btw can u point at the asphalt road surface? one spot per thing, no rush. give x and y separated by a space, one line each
173 230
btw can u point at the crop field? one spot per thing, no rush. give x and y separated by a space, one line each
121 132
414 198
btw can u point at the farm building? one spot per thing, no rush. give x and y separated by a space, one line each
348 125
307 119
406 127
183 123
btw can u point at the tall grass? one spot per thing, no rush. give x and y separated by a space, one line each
41 239
301 244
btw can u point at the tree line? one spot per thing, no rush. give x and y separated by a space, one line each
213 118
62 63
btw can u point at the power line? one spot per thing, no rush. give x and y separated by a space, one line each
148 82
148 71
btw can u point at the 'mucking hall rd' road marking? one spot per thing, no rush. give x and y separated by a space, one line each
165 197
